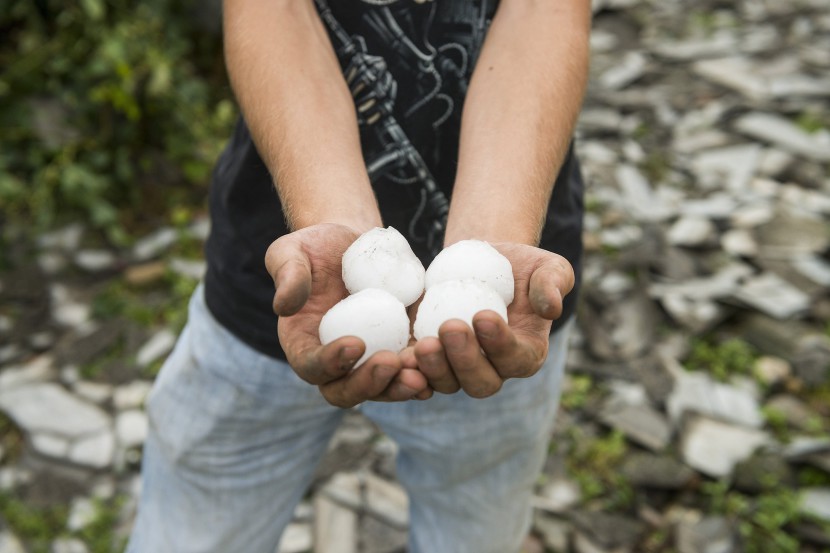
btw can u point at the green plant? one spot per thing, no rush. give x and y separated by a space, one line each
722 360
100 534
594 464
36 525
577 392
110 110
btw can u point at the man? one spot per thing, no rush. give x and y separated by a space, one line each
235 431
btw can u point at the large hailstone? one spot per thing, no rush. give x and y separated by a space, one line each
375 316
381 258
473 259
455 299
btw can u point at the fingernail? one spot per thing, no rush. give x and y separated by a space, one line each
348 357
486 329
455 340
407 391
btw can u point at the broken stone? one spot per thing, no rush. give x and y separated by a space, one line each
68 545
9 543
630 68
335 526
739 242
67 311
697 392
713 534
656 471
816 502
190 268
154 244
81 514
555 533
714 447
608 530
159 345
771 370
773 295
641 423
297 538
49 408
96 451
691 231
730 167
95 261
558 496
145 273
131 428
761 472
131 395
785 134
67 238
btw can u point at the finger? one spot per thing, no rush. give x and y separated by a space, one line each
408 384
512 356
432 362
549 284
474 372
318 364
367 381
290 269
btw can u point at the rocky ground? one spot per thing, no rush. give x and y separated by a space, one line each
696 414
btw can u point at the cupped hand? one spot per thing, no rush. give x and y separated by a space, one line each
478 360
307 272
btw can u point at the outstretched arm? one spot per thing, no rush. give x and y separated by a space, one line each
518 121
287 80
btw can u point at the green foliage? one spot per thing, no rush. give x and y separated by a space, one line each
100 535
577 392
594 464
105 106
38 526
762 521
722 360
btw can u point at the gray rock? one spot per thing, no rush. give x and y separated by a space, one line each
771 370
719 44
68 545
49 408
737 73
554 532
66 310
82 512
95 392
9 543
159 345
558 496
297 538
38 369
190 268
785 134
760 472
712 534
656 471
773 296
732 166
789 234
638 197
739 242
131 428
377 537
608 530
714 447
691 231
131 395
154 244
67 238
816 502
384 500
95 451
641 423
95 261
697 392
335 526
629 69
715 206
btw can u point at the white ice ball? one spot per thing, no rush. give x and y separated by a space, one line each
381 258
473 259
375 316
455 299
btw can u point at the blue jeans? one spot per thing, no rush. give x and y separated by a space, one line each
235 437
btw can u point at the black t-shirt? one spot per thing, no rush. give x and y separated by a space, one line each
429 51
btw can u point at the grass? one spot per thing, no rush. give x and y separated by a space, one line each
594 464
722 360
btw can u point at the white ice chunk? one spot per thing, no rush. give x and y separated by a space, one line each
455 299
476 260
381 258
373 315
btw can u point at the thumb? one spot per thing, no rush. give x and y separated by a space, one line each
290 268
549 283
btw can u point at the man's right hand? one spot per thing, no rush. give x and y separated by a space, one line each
307 272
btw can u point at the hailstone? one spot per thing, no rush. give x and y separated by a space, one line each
473 259
375 316
381 258
455 299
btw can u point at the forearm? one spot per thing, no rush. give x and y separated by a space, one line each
288 83
518 119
